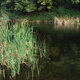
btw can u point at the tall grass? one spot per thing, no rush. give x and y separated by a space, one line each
18 45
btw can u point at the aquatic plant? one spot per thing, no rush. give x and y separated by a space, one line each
17 46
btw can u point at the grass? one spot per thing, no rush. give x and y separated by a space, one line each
18 46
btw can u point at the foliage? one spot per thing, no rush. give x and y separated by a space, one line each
47 8
42 16
45 4
61 11
27 5
75 1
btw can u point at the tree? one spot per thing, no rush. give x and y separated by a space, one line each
35 5
9 4
44 4
75 1
27 5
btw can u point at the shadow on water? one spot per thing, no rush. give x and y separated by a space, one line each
62 60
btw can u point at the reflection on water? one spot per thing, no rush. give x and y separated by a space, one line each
63 52
62 61
67 26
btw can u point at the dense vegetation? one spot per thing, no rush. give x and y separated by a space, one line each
14 35
26 6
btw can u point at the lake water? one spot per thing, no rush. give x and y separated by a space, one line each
62 60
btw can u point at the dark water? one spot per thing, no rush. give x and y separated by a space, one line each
63 52
62 60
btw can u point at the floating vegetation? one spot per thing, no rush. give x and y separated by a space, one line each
17 46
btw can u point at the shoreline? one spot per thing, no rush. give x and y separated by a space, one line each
56 21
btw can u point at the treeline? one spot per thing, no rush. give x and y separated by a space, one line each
37 5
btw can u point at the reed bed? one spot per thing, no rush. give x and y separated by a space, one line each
18 45
66 21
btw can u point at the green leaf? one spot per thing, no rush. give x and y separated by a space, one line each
48 7
43 3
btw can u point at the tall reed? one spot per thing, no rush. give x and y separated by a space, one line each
18 45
